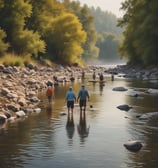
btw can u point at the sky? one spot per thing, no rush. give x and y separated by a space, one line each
106 5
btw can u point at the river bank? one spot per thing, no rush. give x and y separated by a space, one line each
19 87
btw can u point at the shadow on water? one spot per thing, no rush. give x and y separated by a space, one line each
49 111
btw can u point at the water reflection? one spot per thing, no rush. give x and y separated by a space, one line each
101 85
49 110
82 128
70 127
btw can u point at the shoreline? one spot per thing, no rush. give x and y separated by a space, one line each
19 87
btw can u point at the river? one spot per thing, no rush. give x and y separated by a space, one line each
95 141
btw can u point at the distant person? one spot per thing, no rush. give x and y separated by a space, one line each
83 95
83 74
49 93
112 77
94 75
70 98
101 77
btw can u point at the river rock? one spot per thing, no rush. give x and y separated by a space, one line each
28 110
147 116
2 116
11 119
7 114
153 91
63 113
34 99
12 96
133 146
20 114
119 89
124 107
133 94
37 110
22 101
13 107
5 91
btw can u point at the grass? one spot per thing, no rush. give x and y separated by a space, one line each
14 60
21 61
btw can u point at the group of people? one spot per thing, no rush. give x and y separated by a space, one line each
82 97
101 77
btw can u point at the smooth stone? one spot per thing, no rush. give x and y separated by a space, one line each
133 146
124 107
119 89
62 113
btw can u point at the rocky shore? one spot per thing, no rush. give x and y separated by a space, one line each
19 87
135 72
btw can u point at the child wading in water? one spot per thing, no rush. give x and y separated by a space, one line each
49 93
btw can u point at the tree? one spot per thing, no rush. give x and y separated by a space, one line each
3 46
13 16
141 33
87 20
108 44
66 38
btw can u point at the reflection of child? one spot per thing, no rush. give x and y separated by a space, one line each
49 93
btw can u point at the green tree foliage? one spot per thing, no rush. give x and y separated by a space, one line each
141 33
60 29
43 14
22 41
87 20
67 40
3 46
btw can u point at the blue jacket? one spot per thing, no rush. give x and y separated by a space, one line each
70 95
83 94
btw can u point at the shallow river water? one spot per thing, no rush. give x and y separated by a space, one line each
94 141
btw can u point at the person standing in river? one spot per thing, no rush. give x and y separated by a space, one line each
49 93
94 75
70 99
83 95
101 77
